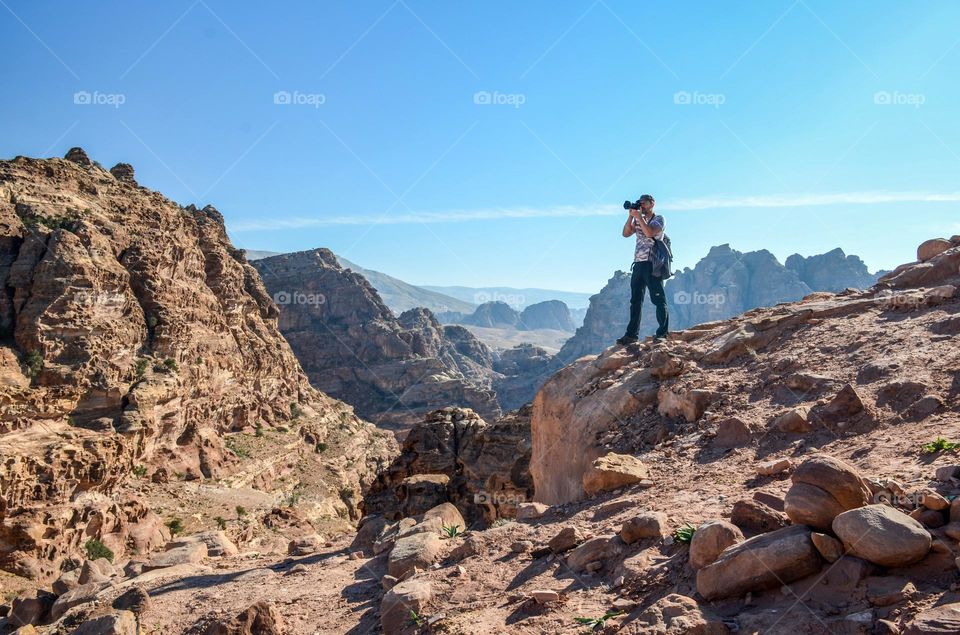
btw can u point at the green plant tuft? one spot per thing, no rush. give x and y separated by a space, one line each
940 445
33 360
96 550
685 534
175 525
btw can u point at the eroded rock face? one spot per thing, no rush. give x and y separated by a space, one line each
391 369
552 314
484 466
136 334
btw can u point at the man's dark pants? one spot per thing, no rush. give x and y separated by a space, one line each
641 280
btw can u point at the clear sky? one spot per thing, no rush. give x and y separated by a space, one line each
492 143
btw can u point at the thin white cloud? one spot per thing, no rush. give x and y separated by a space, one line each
688 204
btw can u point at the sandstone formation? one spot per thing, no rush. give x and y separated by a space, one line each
135 336
724 283
392 370
552 314
495 314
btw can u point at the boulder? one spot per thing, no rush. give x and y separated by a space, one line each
823 487
644 525
675 614
30 609
795 420
566 539
932 248
531 511
766 561
753 516
613 471
889 590
676 401
409 596
114 623
258 619
218 545
89 572
774 467
448 515
135 599
846 403
67 580
419 550
938 620
189 553
934 500
882 535
710 540
597 549
732 433
829 547
305 545
74 597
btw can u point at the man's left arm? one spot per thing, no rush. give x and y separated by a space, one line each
651 229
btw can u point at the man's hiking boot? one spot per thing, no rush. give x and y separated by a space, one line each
626 339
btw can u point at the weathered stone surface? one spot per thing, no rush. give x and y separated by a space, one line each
882 535
397 604
217 542
189 553
845 404
261 618
888 590
679 400
566 539
136 600
543 596
115 623
74 597
30 608
531 511
766 561
795 420
938 620
732 433
447 515
644 525
418 550
675 614
613 471
774 467
305 545
599 549
710 540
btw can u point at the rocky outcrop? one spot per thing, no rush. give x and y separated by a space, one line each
134 335
552 314
482 468
521 371
493 314
756 366
391 369
832 271
724 283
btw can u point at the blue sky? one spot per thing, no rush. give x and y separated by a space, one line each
492 143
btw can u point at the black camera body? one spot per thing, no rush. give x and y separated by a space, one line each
631 205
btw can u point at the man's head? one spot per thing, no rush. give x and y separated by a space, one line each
646 203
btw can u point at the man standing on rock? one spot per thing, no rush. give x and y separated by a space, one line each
648 227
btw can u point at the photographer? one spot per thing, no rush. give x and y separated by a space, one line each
648 228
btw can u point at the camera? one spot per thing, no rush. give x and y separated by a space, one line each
631 205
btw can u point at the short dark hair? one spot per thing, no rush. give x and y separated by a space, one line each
647 197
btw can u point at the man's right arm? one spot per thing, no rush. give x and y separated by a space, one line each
629 229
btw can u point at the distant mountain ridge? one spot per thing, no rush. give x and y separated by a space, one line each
519 299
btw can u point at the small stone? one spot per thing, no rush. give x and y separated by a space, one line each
297 569
521 546
568 538
136 600
774 467
531 511
388 582
599 549
458 572
305 545
543 596
794 421
946 472
356 555
934 501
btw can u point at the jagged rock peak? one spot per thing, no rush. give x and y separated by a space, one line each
123 172
78 156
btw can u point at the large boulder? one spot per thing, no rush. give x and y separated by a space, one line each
763 562
261 618
710 540
599 549
644 525
448 516
932 248
882 535
613 471
939 620
417 550
409 596
824 487
114 623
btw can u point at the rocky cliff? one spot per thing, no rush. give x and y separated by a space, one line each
134 337
551 314
493 314
723 284
391 369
